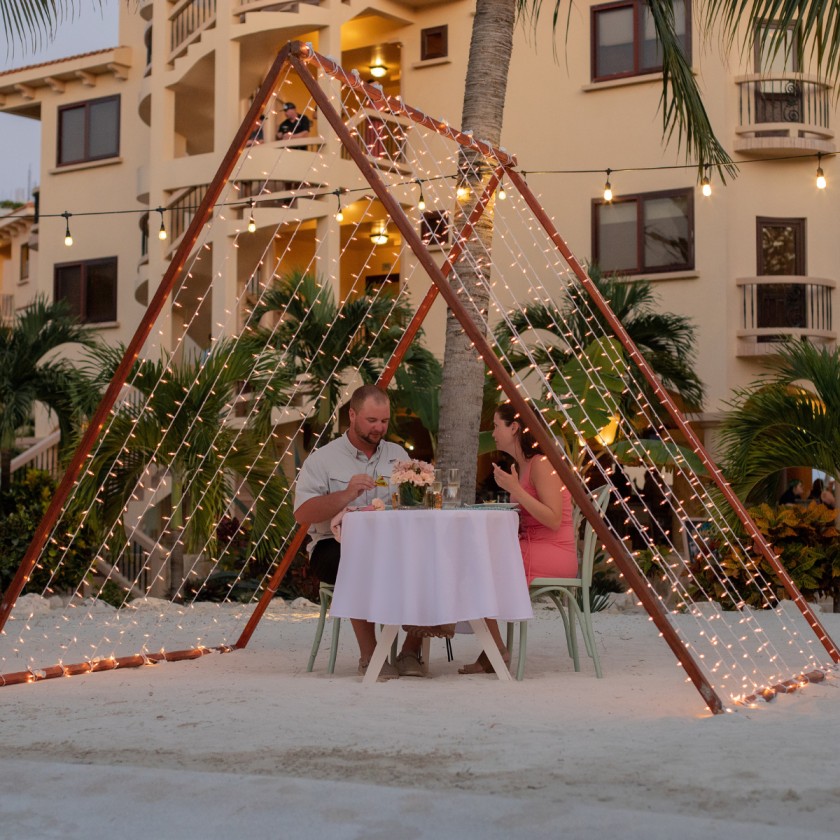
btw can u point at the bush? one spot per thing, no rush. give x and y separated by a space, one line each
22 507
808 545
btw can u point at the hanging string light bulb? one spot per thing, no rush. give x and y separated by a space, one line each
252 224
339 216
68 239
821 182
608 193
162 231
706 184
421 204
502 193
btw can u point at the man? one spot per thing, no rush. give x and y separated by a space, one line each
295 125
345 472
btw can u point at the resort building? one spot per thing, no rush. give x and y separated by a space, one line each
135 133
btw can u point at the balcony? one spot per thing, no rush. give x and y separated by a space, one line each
778 307
783 113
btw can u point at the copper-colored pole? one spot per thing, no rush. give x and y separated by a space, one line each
677 417
108 664
204 210
566 473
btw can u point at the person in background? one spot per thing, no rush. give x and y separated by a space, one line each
546 534
353 468
821 493
295 125
793 494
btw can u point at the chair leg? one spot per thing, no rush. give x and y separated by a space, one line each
589 636
523 644
572 608
509 640
319 632
334 645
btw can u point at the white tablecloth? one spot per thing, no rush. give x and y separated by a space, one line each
431 567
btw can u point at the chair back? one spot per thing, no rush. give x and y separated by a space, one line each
590 538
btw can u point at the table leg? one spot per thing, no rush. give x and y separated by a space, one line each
380 653
483 635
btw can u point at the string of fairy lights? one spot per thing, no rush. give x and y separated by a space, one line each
608 192
738 654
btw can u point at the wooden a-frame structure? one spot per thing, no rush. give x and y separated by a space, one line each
298 55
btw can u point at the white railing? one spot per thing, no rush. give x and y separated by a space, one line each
42 455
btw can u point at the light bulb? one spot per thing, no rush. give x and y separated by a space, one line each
162 231
608 193
421 204
821 182
378 70
462 191
252 225
68 239
339 217
502 194
706 186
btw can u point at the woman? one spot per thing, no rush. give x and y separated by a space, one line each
546 535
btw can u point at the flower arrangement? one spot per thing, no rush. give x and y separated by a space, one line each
412 477
418 473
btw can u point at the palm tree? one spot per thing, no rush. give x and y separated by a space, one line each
184 426
31 373
35 21
328 344
788 418
664 339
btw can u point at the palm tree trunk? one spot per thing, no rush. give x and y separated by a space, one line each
463 372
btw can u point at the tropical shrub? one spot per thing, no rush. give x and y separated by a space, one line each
808 544
22 507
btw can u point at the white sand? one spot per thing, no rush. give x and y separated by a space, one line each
249 744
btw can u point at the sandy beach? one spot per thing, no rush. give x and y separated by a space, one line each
249 742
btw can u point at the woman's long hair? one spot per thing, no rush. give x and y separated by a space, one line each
509 414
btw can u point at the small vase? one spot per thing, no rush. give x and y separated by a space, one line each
411 495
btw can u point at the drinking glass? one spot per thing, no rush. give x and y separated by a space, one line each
452 489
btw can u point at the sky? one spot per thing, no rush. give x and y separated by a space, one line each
93 27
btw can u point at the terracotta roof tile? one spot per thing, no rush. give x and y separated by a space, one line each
56 61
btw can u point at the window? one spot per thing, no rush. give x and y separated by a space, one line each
649 232
434 228
624 41
780 252
777 99
434 42
90 289
89 130
24 263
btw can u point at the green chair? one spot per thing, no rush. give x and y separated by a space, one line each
325 594
563 591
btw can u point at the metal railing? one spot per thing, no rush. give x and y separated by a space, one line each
791 104
181 211
7 309
774 308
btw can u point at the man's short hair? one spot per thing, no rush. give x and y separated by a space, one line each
367 392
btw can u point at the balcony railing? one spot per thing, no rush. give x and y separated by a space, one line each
775 308
383 138
186 22
181 211
783 111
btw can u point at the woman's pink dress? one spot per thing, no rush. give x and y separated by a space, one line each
547 553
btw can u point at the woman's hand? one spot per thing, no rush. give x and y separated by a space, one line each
508 481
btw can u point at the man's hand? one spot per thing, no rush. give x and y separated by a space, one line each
360 483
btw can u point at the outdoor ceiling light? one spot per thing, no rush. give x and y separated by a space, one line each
378 70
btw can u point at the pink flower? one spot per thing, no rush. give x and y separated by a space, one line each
419 473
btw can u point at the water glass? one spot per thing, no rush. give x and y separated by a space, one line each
451 496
